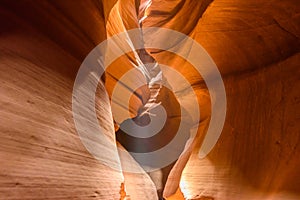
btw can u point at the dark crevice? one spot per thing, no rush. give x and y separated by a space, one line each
257 70
285 29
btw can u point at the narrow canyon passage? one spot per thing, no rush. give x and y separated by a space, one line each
51 150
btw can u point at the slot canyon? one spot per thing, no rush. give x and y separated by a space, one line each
104 99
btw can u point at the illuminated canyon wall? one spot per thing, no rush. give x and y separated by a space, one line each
255 45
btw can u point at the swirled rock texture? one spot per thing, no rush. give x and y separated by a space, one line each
255 45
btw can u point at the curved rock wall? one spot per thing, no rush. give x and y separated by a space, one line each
41 155
255 45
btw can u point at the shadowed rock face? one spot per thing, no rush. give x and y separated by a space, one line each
255 45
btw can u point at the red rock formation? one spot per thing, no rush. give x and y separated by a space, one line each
255 45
